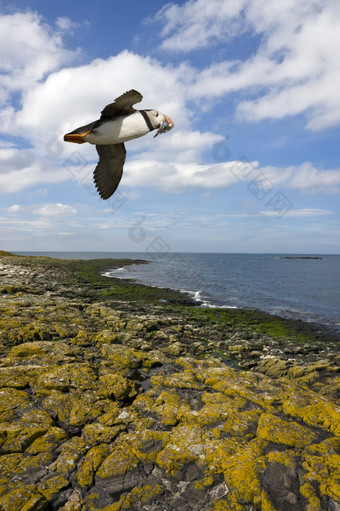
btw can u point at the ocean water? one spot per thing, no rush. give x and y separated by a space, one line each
306 289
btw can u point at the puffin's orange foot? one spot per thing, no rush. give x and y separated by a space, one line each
77 138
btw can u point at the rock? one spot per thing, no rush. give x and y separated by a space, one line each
65 378
69 452
25 499
112 403
281 484
175 349
97 433
274 366
93 459
279 431
18 437
121 357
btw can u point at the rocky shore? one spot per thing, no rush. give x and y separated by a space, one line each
116 396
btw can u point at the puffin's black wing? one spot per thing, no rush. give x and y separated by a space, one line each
109 170
123 104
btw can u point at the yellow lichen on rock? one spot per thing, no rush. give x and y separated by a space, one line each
274 429
183 447
322 466
266 504
12 401
313 410
69 376
242 473
96 433
52 486
88 468
135 496
48 441
26 498
17 437
309 493
69 454
108 404
218 452
167 406
286 458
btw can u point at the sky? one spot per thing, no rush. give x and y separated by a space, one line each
252 164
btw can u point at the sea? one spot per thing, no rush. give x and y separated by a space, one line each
305 287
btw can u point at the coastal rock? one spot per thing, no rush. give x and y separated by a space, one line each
113 405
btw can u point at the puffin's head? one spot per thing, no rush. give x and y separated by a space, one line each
160 121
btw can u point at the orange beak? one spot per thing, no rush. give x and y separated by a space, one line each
165 126
171 123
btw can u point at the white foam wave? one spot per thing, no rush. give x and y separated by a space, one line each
115 273
197 296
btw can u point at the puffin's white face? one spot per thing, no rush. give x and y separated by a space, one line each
160 121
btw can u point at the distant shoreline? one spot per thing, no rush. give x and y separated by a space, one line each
302 257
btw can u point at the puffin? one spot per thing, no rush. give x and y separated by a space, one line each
118 123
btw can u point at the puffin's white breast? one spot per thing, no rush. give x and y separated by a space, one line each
119 130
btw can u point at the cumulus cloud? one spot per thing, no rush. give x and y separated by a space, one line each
20 169
290 60
58 209
294 69
12 158
72 94
29 49
55 99
18 180
199 23
180 176
309 178
305 178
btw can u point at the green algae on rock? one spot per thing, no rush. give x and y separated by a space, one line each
111 399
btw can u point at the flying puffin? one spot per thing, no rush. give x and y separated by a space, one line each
118 123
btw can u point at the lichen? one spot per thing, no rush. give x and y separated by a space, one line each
273 429
242 473
89 467
313 410
50 487
108 403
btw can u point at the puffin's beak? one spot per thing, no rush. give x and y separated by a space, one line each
166 125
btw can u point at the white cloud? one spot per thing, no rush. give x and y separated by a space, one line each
74 96
29 49
305 178
12 158
20 169
66 25
65 234
300 213
294 69
58 209
69 97
178 177
199 23
14 209
310 179
19 180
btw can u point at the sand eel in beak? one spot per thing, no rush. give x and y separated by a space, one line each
119 122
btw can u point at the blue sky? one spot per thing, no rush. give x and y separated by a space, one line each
252 164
